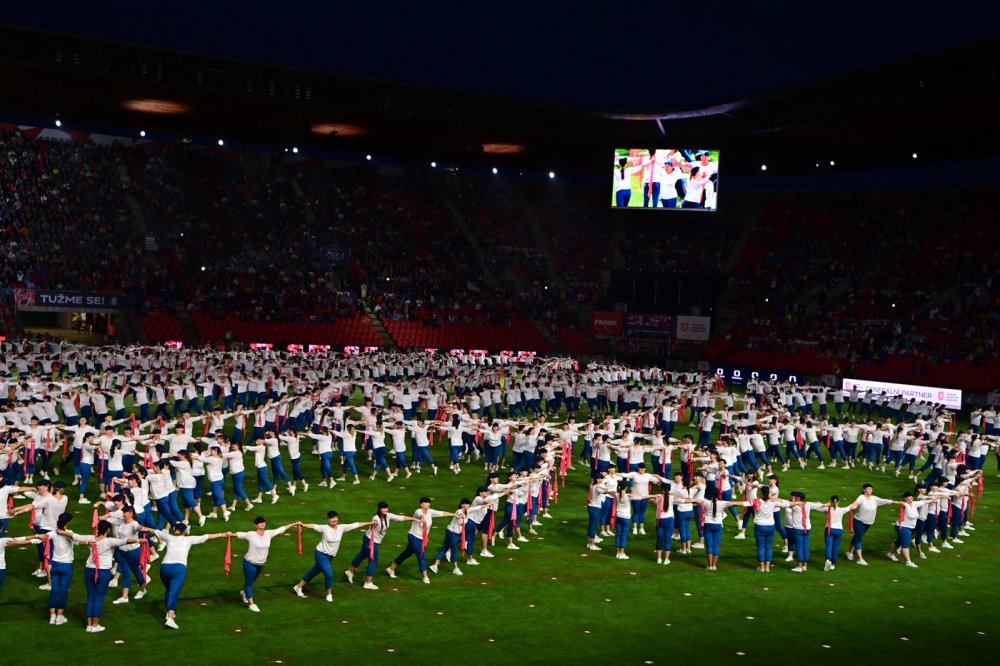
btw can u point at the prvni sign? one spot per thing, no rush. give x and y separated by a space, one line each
950 398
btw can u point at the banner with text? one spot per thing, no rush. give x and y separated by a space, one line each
950 398
41 300
693 328
639 325
606 322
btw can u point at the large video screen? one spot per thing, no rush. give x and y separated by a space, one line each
665 178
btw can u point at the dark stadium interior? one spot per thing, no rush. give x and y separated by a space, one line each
231 243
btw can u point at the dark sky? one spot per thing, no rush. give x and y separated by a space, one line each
614 56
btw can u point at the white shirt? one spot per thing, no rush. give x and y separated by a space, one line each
867 506
105 549
422 520
178 547
330 538
258 545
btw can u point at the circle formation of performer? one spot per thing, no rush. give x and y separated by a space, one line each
156 479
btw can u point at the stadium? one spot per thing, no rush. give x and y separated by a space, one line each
736 402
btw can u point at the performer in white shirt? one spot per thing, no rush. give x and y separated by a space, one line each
259 545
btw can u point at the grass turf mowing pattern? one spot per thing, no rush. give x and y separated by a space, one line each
552 601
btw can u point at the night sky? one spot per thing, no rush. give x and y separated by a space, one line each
609 56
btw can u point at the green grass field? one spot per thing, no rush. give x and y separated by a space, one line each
550 602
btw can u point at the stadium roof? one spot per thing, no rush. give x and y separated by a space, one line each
942 104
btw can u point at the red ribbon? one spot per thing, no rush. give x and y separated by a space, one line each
979 492
228 561
94 520
33 516
300 539
47 554
829 520
614 511
493 515
850 522
97 558
426 537
144 556
464 535
902 514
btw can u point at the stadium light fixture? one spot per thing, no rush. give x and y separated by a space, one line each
221 142
763 167
142 132
368 157
495 171
158 106
58 123
552 174
832 163
202 268
434 165
295 149
914 156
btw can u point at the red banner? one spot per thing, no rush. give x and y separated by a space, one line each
606 322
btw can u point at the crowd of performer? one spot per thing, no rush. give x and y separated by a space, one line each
165 437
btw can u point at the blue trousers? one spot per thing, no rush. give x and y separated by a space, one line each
664 528
264 484
511 518
379 458
250 573
97 590
833 539
187 494
62 576
364 554
128 566
713 538
279 470
85 469
238 491
802 545
218 494
297 469
859 534
172 576
325 468
166 510
323 565
414 546
349 462
684 524
593 520
622 526
764 536
452 541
